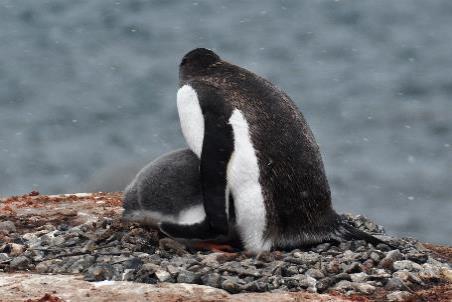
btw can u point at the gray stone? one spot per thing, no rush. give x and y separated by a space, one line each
31 238
162 275
359 277
212 279
394 284
324 284
322 247
42 267
81 264
4 257
395 255
7 227
334 267
16 249
407 277
398 296
309 283
419 258
172 269
344 285
301 281
211 260
256 286
307 258
231 285
341 276
99 273
374 256
287 271
429 272
20 262
348 255
315 273
128 275
354 267
406 265
364 288
344 246
188 277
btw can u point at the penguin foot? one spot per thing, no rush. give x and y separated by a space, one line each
215 247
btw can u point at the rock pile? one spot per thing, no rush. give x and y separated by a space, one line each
110 249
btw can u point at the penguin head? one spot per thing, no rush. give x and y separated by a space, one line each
196 61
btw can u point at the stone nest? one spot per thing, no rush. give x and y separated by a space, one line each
107 248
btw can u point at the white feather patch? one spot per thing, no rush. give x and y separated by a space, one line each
189 215
192 215
191 118
243 181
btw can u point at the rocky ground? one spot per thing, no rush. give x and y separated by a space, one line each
83 235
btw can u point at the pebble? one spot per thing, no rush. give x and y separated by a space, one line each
315 273
16 249
388 261
355 267
309 283
43 267
112 250
446 273
7 227
322 247
256 286
324 284
344 285
394 284
405 276
419 258
212 279
288 271
307 258
375 257
359 277
20 262
230 285
187 277
398 296
364 288
334 267
169 244
4 257
341 276
406 265
162 275
99 273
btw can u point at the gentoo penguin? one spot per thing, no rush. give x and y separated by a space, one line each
169 189
254 146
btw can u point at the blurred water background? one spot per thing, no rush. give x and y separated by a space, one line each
88 91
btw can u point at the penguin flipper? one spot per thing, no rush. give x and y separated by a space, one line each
217 148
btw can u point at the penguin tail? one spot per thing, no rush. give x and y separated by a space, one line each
346 231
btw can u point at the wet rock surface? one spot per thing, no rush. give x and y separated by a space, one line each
65 236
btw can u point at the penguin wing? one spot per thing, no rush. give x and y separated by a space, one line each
217 147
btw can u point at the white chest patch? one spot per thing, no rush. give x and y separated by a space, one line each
191 118
243 181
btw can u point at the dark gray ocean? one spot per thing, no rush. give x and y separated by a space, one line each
88 93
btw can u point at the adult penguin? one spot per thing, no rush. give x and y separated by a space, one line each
254 145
